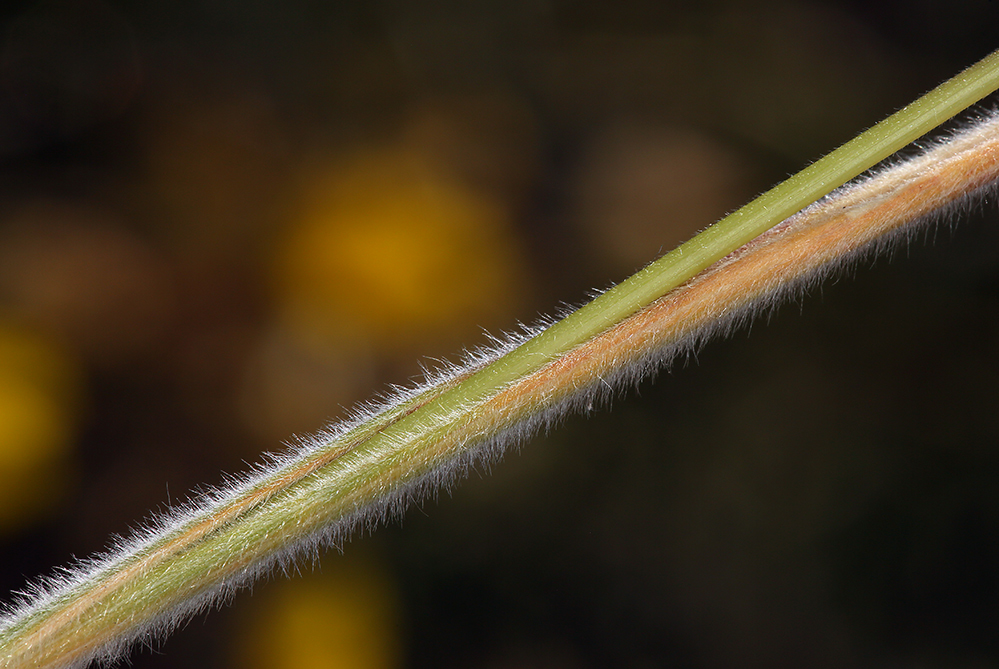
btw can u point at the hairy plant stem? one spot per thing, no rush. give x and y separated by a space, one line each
316 493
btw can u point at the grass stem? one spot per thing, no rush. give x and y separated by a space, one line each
356 472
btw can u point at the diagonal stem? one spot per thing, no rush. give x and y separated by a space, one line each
317 493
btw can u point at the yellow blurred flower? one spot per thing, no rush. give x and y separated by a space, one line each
388 249
38 395
345 618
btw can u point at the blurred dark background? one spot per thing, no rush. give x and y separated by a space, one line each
223 222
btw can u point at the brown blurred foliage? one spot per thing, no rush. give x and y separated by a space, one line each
221 223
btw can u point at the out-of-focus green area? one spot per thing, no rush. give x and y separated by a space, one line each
222 223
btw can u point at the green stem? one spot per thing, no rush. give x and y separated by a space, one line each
345 473
714 243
